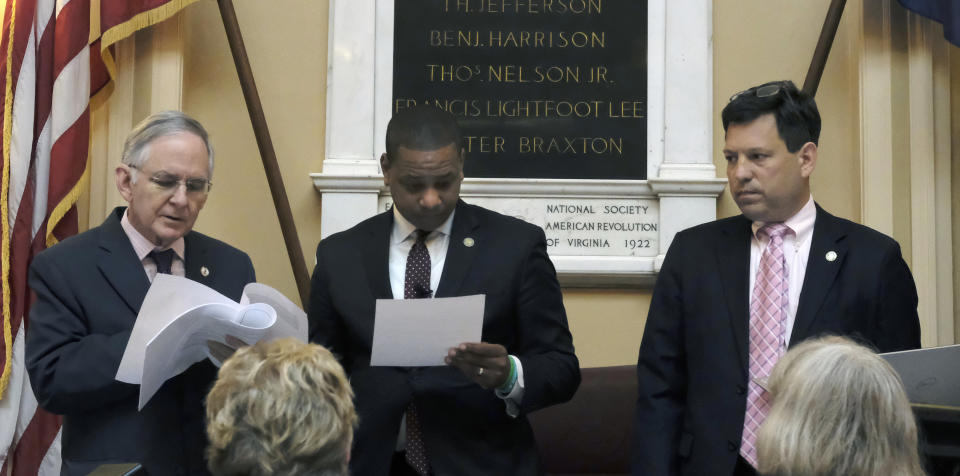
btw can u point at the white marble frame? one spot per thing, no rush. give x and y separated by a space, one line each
679 133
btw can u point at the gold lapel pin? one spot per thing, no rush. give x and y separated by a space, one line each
468 242
204 271
831 256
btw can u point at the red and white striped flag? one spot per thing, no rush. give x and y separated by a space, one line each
52 63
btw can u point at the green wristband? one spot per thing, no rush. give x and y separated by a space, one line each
511 379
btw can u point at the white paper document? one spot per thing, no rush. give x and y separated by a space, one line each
418 332
179 316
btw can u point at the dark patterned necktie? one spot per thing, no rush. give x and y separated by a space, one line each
164 260
416 285
416 281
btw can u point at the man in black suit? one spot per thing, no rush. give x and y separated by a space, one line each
89 291
468 417
734 293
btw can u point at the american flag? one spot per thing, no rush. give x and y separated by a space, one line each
943 11
51 63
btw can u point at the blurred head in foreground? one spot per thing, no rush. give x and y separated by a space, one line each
280 408
838 408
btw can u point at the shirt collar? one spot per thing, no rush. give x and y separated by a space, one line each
141 245
402 229
801 222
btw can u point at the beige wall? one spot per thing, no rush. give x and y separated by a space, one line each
754 41
286 42
606 324
955 175
761 40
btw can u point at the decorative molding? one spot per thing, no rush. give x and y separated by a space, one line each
605 271
328 183
688 188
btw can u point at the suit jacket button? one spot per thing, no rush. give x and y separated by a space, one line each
741 390
731 446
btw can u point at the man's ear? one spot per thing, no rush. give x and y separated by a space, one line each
124 179
807 156
385 168
463 158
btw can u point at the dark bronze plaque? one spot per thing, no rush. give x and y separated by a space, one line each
543 88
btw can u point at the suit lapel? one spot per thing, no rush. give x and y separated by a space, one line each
733 256
376 255
459 254
194 262
118 262
821 273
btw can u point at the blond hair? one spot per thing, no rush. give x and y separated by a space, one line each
280 408
838 408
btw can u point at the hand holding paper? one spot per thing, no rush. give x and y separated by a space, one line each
221 351
486 364
178 318
419 332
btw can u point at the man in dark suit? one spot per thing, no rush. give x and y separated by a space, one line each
468 417
734 293
89 291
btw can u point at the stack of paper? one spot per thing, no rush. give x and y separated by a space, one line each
179 316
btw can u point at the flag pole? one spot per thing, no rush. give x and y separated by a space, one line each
267 154
822 52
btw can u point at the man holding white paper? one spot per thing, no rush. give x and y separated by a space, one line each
467 417
90 289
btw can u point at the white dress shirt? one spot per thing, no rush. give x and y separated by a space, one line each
796 251
402 238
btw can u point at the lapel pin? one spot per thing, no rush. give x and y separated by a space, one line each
206 272
831 256
468 242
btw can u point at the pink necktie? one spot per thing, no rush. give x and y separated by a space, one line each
768 317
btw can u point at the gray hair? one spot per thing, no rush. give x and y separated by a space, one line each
136 148
838 408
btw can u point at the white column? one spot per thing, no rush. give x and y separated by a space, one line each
349 183
350 88
686 181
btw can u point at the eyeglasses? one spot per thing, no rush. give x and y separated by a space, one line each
766 90
169 183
